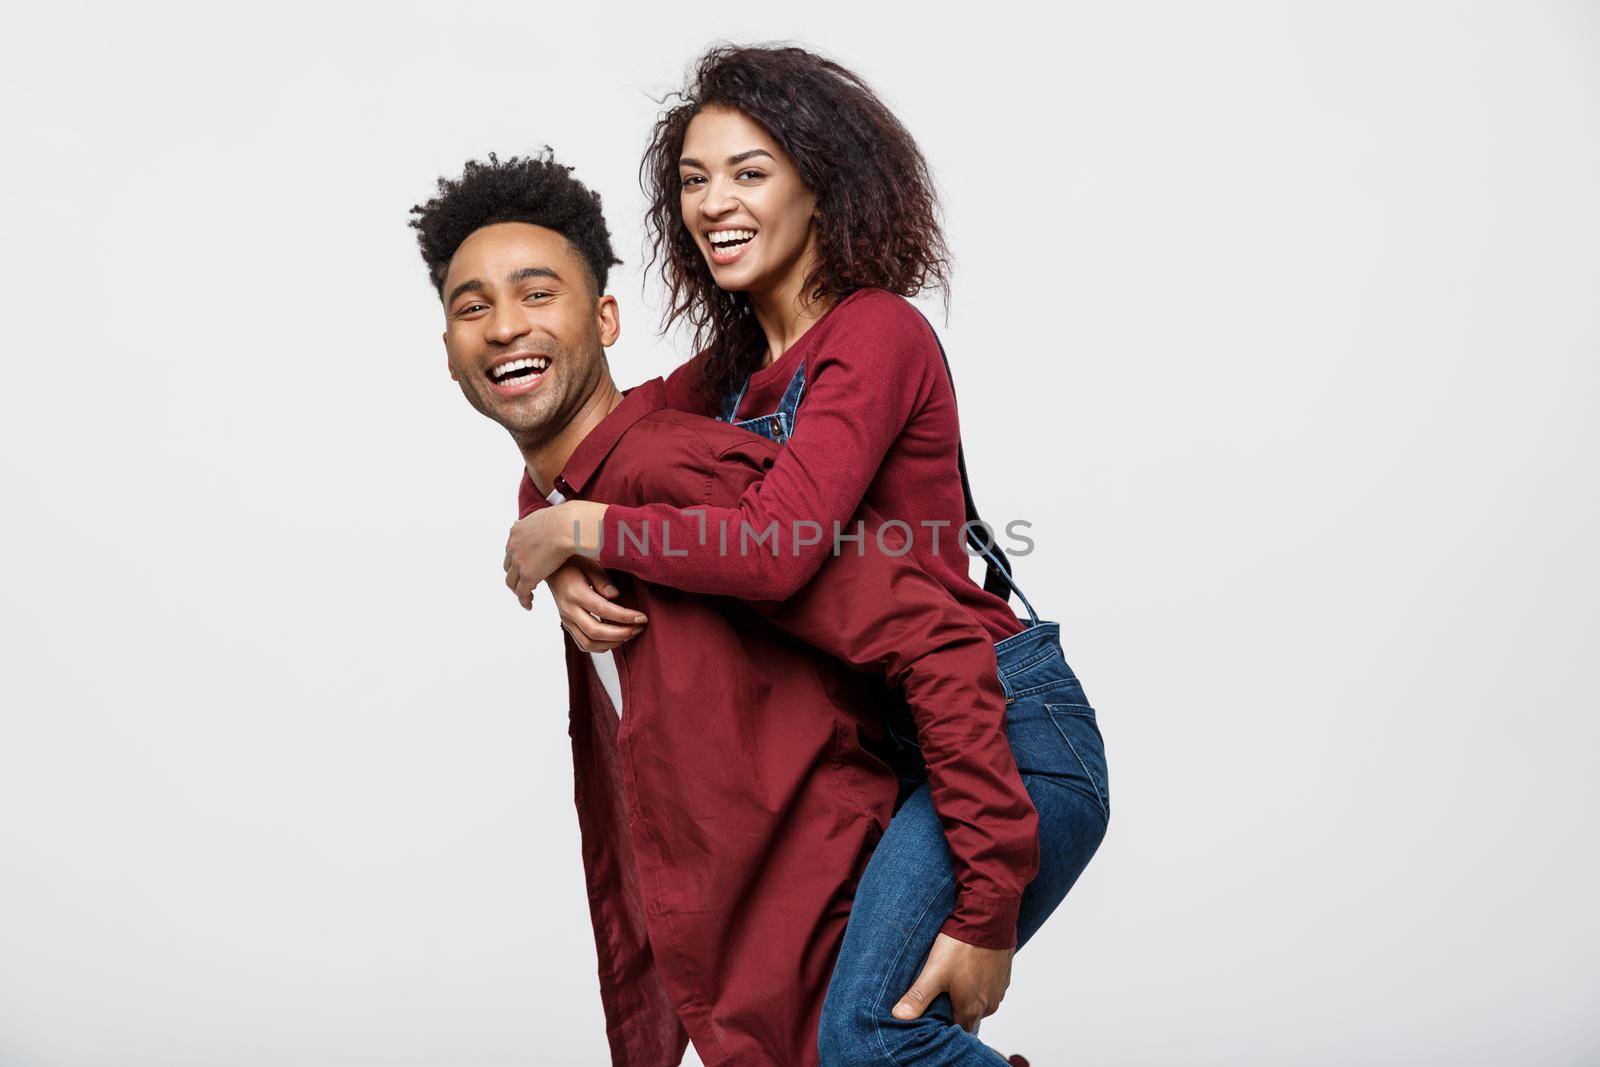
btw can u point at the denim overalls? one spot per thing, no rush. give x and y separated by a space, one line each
780 424
908 888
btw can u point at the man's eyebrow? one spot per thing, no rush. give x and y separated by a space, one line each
733 161
475 285
471 285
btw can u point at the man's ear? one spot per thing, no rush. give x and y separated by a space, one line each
609 318
447 365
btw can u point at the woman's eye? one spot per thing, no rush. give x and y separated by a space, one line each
750 173
693 179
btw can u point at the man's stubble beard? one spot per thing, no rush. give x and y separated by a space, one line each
558 402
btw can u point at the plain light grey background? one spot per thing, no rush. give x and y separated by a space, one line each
1279 322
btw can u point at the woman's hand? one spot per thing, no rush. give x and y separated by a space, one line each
580 588
542 541
976 979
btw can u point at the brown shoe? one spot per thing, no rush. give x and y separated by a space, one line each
1017 1061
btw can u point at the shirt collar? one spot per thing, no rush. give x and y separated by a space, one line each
592 451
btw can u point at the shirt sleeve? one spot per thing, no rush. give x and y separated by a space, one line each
682 390
863 384
881 612
529 499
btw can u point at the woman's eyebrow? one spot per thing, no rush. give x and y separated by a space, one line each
733 161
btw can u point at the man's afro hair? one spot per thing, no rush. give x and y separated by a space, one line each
531 189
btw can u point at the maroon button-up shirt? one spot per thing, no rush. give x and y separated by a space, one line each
727 817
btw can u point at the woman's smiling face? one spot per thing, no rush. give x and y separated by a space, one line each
743 203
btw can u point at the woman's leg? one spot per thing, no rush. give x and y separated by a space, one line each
908 888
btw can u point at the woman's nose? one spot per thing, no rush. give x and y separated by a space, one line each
718 200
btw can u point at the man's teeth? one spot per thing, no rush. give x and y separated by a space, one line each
723 237
536 364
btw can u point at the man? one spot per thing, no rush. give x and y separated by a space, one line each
728 786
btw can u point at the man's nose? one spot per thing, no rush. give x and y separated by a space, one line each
506 323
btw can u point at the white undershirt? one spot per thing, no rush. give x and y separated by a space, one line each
605 665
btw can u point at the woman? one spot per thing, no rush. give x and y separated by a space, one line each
791 215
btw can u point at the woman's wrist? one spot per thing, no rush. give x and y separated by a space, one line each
582 527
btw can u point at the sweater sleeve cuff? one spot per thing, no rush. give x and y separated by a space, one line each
612 540
987 922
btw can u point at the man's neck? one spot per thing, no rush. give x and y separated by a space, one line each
546 459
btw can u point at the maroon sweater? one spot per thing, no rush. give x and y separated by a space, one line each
876 426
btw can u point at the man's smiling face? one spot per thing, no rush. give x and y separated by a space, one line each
525 332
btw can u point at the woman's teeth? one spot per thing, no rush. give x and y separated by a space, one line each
728 245
519 368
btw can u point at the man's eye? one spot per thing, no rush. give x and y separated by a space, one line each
537 294
469 309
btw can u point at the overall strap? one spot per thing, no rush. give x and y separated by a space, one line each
790 402
730 403
997 576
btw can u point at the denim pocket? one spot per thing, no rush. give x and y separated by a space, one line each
1078 728
774 427
1044 672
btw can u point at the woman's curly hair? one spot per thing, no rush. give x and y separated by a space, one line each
879 214
532 189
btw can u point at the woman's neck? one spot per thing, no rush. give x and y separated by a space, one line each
783 311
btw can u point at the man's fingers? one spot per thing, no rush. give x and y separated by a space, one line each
929 984
593 600
967 1016
587 644
597 576
592 603
515 584
914 1003
591 634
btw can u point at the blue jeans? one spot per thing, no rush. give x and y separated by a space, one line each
908 889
